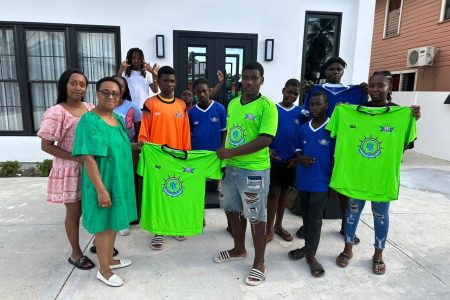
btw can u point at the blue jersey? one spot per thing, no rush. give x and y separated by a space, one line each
338 93
318 144
289 122
207 126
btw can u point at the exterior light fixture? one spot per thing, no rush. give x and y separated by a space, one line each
268 50
160 46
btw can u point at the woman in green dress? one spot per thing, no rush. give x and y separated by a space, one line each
108 198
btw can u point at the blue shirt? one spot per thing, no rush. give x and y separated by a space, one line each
338 93
130 114
289 122
318 144
207 126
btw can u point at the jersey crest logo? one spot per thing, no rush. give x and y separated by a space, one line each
236 136
178 114
157 113
196 122
370 147
214 119
323 142
173 187
296 121
386 128
353 126
188 170
250 117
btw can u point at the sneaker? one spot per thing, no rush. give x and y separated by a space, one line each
124 232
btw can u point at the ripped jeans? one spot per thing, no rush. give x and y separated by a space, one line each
245 191
380 211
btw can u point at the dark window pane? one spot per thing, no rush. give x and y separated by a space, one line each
447 10
10 105
321 34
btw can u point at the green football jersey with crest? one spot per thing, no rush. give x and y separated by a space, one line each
173 191
369 148
244 124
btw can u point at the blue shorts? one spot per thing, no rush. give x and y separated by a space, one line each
245 191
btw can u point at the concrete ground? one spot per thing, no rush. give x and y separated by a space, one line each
34 252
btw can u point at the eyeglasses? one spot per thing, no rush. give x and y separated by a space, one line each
106 94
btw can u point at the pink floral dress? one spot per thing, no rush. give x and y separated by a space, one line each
64 182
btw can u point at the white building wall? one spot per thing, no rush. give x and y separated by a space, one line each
141 20
432 135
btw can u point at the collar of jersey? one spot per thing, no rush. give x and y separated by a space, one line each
373 111
318 128
175 153
165 100
286 109
205 110
328 86
240 100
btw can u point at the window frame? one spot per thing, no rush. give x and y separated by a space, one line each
444 7
386 19
72 60
401 78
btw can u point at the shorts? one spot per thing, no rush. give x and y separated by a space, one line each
245 191
281 175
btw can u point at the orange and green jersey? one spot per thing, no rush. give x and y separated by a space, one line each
165 122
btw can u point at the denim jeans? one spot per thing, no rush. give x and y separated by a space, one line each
245 191
380 211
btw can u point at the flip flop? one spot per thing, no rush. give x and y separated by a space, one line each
180 237
297 254
157 242
93 249
316 269
257 277
378 266
284 234
342 259
83 263
224 256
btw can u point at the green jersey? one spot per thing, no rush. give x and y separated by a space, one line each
173 191
245 122
369 149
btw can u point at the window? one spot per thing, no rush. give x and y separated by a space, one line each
32 58
404 81
320 42
445 15
393 18
10 110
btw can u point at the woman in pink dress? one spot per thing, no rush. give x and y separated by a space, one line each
57 133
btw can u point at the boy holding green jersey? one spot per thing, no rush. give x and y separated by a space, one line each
251 126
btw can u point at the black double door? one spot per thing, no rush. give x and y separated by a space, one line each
202 54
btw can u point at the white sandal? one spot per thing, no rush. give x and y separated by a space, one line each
122 264
257 277
224 256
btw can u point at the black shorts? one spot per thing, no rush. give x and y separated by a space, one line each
281 175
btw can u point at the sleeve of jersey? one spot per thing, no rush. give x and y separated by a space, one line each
299 140
213 166
186 133
223 119
333 124
140 170
411 133
146 124
269 122
90 138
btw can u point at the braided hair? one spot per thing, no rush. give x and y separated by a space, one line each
129 57
388 76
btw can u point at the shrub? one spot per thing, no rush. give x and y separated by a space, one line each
9 168
45 167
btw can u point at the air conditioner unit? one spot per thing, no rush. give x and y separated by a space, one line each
422 56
